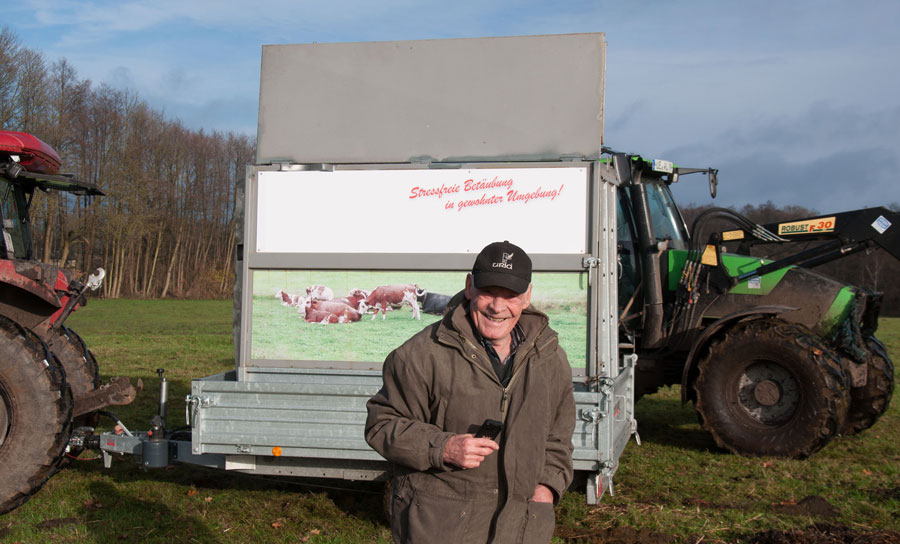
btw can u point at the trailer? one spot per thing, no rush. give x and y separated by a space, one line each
393 163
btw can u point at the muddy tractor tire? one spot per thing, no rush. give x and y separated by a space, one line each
768 387
869 402
82 375
35 414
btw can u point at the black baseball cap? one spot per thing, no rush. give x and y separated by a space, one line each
502 264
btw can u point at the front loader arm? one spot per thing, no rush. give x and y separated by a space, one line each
870 226
844 233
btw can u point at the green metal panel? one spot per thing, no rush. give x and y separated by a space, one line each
734 265
838 311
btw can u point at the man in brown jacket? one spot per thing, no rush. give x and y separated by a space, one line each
491 356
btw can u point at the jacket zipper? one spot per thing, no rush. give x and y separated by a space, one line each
504 398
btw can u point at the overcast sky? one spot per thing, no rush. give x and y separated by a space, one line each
797 102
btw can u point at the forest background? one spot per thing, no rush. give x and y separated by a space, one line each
167 225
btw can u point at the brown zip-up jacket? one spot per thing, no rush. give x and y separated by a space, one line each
439 383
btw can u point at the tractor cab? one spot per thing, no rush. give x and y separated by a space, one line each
646 207
32 293
26 164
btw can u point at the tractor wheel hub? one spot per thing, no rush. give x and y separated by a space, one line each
767 393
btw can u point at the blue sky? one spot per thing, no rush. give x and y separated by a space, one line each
797 102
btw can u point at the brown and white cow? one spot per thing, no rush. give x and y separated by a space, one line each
319 292
320 316
383 296
343 312
355 299
294 301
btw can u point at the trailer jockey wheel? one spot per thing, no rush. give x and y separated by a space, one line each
769 387
869 402
35 414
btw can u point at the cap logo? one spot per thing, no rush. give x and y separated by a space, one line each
504 263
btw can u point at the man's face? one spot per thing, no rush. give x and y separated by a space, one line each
495 310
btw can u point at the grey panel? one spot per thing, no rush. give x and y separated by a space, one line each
515 98
604 421
320 415
317 414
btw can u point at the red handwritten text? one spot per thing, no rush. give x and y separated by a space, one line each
485 200
439 192
485 184
516 196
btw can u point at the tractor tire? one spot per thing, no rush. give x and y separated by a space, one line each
769 387
869 402
35 414
82 375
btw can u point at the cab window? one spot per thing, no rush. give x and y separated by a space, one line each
13 238
667 221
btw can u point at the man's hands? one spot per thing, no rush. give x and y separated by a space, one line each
466 451
542 493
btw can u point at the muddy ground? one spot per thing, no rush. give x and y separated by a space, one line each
814 534
811 507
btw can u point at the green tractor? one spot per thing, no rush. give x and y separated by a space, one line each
777 359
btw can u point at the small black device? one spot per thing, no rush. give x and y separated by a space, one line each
489 429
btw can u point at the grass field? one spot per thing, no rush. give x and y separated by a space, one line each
676 487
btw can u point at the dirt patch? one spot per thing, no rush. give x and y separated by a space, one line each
57 522
814 506
695 502
824 534
616 535
883 493
815 534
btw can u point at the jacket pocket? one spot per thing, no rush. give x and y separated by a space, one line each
430 516
540 520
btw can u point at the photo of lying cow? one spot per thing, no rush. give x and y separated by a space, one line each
342 312
319 292
288 299
319 305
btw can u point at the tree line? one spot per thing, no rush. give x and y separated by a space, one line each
875 270
166 226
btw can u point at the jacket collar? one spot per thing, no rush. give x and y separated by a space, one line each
534 323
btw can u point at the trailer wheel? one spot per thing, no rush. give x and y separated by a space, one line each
772 388
35 414
82 375
869 402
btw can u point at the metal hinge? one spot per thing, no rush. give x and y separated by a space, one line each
590 262
592 415
192 404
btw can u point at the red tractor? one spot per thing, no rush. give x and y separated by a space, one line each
49 381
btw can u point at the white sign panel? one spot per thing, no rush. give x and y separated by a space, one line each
543 210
